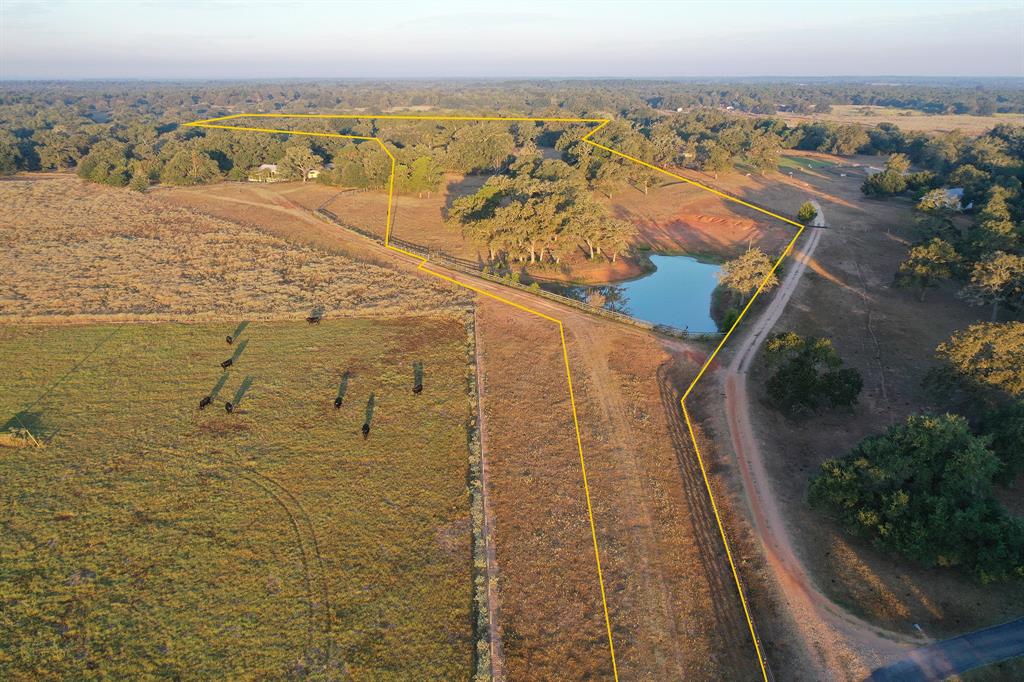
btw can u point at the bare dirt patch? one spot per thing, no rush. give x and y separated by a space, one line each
680 218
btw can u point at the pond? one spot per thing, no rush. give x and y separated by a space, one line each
677 293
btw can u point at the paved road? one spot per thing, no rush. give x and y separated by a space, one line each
957 655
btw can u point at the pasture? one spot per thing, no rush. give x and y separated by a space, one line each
149 538
908 120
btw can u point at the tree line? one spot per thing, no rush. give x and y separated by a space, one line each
539 210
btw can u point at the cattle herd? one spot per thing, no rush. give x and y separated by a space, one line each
207 400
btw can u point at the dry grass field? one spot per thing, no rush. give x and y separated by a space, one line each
907 119
673 609
78 249
149 539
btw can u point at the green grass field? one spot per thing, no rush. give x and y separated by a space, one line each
802 162
149 539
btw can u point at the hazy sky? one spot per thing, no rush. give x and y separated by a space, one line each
253 39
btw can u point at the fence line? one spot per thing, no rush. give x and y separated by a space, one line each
478 269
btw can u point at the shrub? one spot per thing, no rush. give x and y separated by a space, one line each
809 374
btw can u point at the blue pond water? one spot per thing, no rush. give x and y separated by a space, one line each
678 293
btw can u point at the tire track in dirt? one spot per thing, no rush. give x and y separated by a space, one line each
724 604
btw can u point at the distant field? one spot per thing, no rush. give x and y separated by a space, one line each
149 539
907 119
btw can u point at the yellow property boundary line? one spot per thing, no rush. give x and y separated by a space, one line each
602 122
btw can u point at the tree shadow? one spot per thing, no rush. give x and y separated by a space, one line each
33 422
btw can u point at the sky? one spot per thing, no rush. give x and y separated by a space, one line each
184 39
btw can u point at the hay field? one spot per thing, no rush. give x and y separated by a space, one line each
150 539
72 248
908 120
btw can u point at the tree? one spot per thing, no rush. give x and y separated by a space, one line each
848 139
886 183
996 280
713 158
809 374
479 147
807 213
974 181
928 264
924 490
190 167
987 355
933 201
1005 426
106 163
298 161
995 230
897 163
746 273
764 152
8 158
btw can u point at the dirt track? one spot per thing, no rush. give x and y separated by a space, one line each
827 630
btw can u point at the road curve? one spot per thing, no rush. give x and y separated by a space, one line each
810 607
957 655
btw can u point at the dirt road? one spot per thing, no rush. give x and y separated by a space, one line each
835 641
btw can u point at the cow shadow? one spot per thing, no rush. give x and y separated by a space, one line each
371 405
215 391
417 376
343 386
239 329
242 390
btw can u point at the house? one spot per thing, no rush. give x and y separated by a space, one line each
267 172
955 199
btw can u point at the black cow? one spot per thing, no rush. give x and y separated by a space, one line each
313 319
230 340
337 402
366 430
229 407
227 363
205 401
417 389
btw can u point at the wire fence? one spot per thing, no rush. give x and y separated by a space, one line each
479 269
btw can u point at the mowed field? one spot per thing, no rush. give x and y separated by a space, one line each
908 120
150 539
